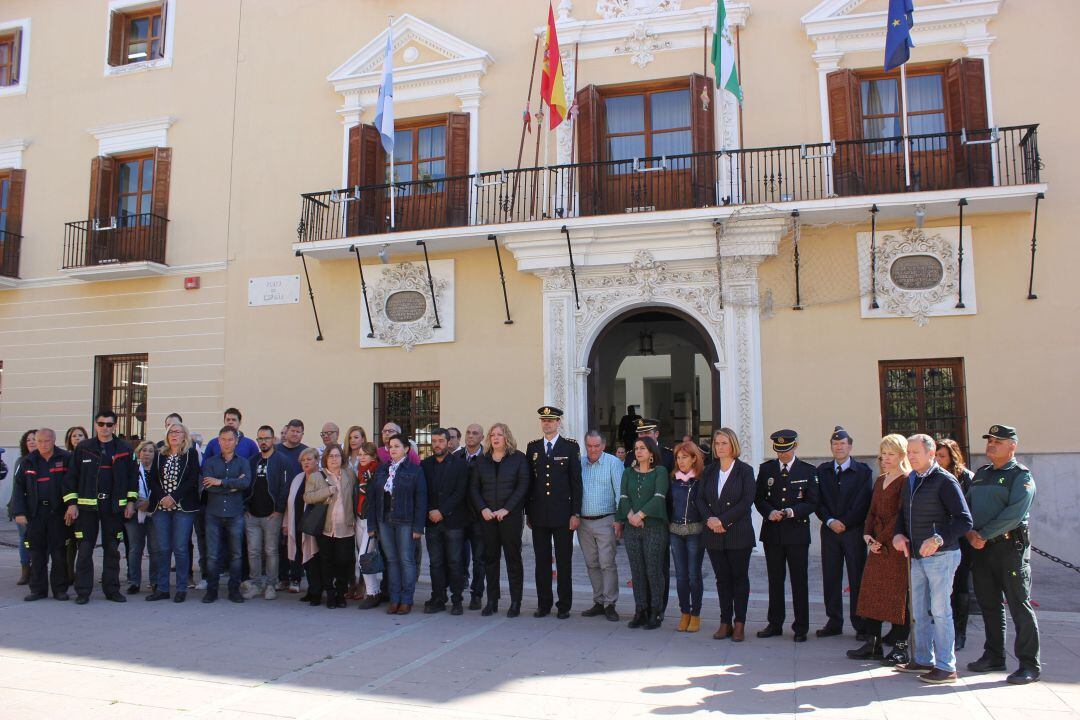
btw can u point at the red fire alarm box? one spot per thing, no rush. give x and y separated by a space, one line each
191 283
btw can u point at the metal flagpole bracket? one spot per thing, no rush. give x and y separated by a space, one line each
829 151
960 256
311 296
873 257
363 289
502 278
995 135
431 284
1034 230
573 270
795 231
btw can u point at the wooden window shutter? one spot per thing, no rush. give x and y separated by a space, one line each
366 169
457 169
102 189
159 204
164 18
16 191
16 57
703 134
116 39
845 124
590 134
965 110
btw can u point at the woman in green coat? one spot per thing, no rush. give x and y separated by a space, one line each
642 518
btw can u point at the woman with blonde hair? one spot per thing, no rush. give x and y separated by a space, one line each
355 439
299 545
684 527
173 482
498 484
884 590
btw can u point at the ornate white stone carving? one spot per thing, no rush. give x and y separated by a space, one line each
641 44
609 9
390 279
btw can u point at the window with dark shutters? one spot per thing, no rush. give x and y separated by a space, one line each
137 35
10 57
129 207
12 188
590 124
845 124
366 163
965 103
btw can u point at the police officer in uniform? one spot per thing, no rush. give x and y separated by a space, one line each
100 489
35 500
787 495
1000 499
554 509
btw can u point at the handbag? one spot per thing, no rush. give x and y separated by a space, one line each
314 519
371 562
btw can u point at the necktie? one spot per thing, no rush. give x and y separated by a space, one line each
548 444
783 471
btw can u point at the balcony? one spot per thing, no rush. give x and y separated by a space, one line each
10 247
132 246
996 169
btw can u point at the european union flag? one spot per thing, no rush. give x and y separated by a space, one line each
898 33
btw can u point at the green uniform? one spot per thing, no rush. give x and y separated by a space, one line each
1000 500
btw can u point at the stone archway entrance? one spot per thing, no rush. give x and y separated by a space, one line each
661 361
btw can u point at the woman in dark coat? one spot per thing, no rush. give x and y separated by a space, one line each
725 496
883 592
398 497
498 485
951 459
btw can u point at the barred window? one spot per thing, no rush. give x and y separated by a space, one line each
122 382
924 396
412 405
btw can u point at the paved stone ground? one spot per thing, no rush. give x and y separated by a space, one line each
283 659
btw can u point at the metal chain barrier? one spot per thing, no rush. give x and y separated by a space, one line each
1055 558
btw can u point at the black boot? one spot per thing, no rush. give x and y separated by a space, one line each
961 610
639 619
871 650
654 621
898 656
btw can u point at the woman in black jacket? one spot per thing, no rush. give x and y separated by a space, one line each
725 496
498 485
173 482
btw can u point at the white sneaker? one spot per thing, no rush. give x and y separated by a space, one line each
251 591
270 593
294 587
201 585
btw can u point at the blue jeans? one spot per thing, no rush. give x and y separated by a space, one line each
688 553
173 533
232 529
400 551
140 537
931 609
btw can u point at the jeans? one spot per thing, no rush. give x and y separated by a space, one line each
400 550
263 534
688 553
232 529
445 555
931 609
172 533
140 537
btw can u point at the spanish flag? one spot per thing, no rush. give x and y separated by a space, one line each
552 88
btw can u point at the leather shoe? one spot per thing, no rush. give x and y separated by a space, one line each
490 609
456 609
596 609
638 620
654 621
828 632
35 596
430 608
392 608
210 596
133 589
82 599
514 611
115 597
474 604
610 614
157 596
799 637
236 597
180 596
563 614
987 663
738 632
770 631
861 637
541 612
61 596
404 609
938 676
723 632
1023 676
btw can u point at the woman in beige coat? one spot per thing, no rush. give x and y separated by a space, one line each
296 542
335 487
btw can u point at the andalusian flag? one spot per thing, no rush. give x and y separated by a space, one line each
552 87
723 55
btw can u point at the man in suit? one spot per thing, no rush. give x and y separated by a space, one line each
554 509
845 486
787 495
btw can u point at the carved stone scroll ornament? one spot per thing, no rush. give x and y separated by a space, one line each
395 295
914 296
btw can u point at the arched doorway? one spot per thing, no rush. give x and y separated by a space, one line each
661 361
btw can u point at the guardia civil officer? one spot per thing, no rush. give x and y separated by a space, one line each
100 489
1000 499
846 486
554 509
35 502
787 495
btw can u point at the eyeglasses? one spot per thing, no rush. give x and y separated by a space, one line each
105 424
327 433
265 439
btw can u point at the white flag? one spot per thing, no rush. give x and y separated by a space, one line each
384 110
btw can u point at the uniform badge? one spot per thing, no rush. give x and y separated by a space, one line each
536 455
1001 481
800 495
770 482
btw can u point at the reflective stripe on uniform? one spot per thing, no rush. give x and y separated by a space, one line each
78 535
120 535
123 502
88 501
133 495
70 496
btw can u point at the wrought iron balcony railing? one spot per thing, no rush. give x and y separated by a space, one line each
10 247
105 241
793 173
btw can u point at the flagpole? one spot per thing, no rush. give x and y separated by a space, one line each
393 186
904 127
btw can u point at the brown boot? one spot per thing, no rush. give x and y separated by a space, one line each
694 625
392 608
404 609
24 576
738 632
723 632
684 622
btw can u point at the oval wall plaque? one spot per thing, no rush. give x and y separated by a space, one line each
406 306
917 272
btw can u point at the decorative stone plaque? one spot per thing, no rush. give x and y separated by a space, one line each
406 306
400 300
917 272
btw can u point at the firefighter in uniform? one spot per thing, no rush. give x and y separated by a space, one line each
1000 499
100 489
35 500
787 495
553 509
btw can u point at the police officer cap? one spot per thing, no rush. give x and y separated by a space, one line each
783 440
645 425
840 433
1001 432
549 412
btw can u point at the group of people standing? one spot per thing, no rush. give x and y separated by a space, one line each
349 516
